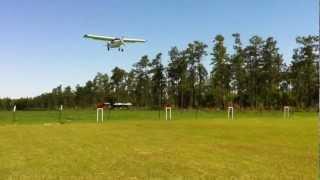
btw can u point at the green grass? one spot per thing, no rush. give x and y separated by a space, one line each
138 145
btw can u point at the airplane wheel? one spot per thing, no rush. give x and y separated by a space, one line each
121 50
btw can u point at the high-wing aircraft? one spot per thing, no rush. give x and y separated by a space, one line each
114 42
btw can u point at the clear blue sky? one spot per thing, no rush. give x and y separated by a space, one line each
41 44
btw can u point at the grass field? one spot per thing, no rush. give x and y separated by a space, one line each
139 145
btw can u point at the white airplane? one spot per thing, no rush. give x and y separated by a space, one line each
114 42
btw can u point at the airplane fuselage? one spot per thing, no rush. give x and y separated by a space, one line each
115 43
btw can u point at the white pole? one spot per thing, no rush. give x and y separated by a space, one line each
102 115
168 109
232 113
14 113
98 111
286 112
97 115
166 113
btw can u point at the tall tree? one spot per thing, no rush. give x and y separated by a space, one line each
304 72
101 87
177 76
253 62
220 74
131 85
141 70
118 83
238 73
194 53
158 81
271 73
68 97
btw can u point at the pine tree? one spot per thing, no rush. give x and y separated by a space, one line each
304 76
220 74
238 73
158 81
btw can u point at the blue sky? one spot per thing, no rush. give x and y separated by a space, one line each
41 44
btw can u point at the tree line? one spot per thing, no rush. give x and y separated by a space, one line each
253 76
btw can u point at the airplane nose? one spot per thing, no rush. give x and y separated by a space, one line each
85 36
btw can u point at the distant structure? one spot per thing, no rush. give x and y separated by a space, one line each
121 105
230 112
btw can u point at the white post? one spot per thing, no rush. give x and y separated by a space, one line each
97 115
166 113
286 112
102 114
14 113
230 112
168 109
60 113
99 110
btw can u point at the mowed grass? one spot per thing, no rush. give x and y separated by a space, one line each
138 145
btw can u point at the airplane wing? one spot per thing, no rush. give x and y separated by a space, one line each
129 40
101 38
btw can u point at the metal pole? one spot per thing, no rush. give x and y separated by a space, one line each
97 115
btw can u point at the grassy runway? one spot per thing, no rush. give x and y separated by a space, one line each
137 145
